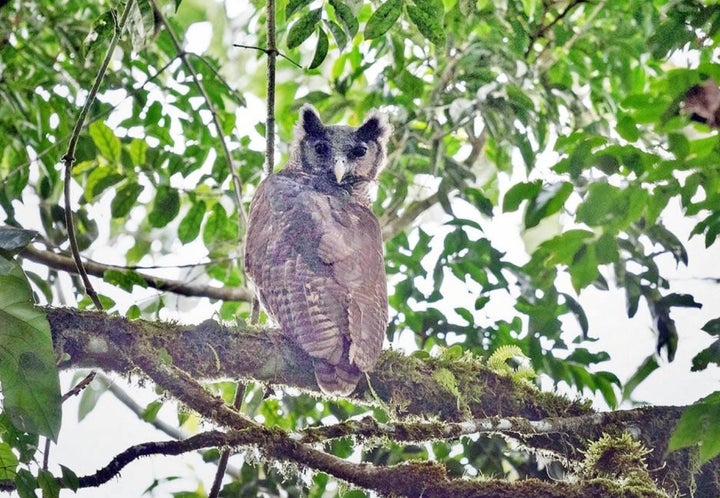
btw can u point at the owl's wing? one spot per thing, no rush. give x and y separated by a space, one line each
296 287
351 242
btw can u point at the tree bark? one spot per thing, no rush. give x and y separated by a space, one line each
464 394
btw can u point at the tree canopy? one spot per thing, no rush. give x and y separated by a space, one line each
134 134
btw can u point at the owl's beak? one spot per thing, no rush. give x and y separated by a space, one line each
339 169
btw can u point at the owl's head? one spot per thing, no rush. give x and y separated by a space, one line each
342 156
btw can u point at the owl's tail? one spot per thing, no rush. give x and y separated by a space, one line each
339 380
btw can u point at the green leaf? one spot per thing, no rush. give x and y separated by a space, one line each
138 151
105 140
518 193
577 310
295 5
99 179
25 484
411 85
141 24
14 240
428 17
125 279
69 478
627 128
699 425
25 444
165 207
712 327
149 414
303 28
584 268
90 396
29 377
548 201
679 300
600 203
14 178
189 227
125 199
102 31
321 49
606 249
8 462
346 16
383 19
710 354
338 33
219 227
49 486
643 372
604 383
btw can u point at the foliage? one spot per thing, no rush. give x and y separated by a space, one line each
697 427
568 113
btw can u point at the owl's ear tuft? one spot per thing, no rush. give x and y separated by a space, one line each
375 127
310 121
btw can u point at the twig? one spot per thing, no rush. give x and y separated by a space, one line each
80 386
271 61
222 464
545 27
267 51
69 157
72 392
412 211
65 263
237 182
134 407
203 440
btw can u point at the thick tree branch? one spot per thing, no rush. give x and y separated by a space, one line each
408 385
423 479
65 263
207 351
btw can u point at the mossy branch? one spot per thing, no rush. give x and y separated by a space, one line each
490 401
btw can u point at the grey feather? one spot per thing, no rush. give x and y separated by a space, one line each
314 248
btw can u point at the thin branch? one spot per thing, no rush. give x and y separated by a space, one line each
543 28
390 228
65 263
235 175
80 386
69 157
267 51
208 439
270 94
222 465
138 410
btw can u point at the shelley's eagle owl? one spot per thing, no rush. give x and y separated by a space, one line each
314 248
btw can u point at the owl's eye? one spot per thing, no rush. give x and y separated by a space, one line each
358 151
322 148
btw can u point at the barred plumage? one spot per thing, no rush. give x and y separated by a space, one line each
314 248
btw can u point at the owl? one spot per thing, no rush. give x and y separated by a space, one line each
314 248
